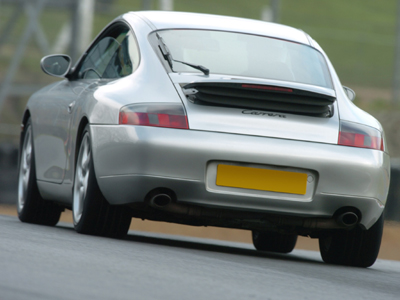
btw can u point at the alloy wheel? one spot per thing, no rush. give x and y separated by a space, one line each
25 169
82 172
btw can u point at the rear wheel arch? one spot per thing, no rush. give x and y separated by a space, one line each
92 214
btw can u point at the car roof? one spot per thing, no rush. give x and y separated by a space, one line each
160 20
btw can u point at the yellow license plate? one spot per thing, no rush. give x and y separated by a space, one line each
262 179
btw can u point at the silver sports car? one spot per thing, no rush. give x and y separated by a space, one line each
208 121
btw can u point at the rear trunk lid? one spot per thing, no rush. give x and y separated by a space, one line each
268 108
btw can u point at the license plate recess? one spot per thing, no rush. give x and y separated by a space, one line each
261 179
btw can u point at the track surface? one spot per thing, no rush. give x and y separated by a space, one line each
38 262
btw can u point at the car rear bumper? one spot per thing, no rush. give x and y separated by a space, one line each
131 161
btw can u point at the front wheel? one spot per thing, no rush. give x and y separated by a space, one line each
274 241
356 247
91 212
31 207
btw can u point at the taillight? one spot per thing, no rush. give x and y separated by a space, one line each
357 135
168 115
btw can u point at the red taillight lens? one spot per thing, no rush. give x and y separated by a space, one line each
357 135
154 114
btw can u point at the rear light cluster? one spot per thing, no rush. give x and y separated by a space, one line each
362 136
169 115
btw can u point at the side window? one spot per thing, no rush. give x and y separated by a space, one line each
114 55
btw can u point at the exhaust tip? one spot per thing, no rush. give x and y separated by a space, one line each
347 219
161 200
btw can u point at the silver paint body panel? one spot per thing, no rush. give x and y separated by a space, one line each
132 160
139 159
254 122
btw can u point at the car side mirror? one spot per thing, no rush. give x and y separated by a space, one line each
349 93
56 65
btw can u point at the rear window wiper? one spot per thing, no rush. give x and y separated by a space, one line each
168 57
198 67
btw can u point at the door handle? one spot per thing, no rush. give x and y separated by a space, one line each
70 107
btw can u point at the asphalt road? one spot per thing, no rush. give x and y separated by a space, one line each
38 262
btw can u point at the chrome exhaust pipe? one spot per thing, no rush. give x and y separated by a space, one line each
347 219
160 200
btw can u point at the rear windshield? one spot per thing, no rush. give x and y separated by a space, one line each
247 55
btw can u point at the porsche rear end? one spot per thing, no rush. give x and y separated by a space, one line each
303 159
246 145
243 124
299 160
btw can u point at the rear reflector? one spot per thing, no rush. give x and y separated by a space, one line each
154 114
357 135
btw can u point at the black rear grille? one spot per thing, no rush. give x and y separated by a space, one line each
262 97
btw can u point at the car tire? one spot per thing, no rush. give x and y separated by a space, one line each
356 247
274 241
91 212
31 207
